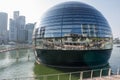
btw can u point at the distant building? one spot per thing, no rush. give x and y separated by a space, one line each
7 36
29 28
21 38
116 41
3 27
15 14
20 24
17 31
12 31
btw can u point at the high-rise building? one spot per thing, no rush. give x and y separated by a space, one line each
13 27
17 28
16 14
20 21
20 24
3 27
29 28
12 31
21 36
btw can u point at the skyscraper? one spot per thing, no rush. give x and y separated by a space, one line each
16 14
17 28
12 30
29 28
3 27
20 24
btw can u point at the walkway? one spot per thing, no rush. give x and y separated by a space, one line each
14 48
113 77
80 75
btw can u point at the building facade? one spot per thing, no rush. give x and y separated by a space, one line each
73 34
12 31
29 28
20 24
16 14
17 32
3 27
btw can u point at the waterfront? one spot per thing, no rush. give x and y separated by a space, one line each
115 58
11 68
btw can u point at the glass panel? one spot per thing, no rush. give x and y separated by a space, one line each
53 27
52 31
81 43
74 37
52 35
67 26
52 43
66 30
77 26
39 43
76 31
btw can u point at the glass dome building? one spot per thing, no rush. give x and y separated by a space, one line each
73 34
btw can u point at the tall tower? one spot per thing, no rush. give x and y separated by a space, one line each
12 31
16 14
20 24
13 27
3 27
17 28
29 28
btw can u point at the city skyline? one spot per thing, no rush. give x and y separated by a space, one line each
19 31
36 8
3 27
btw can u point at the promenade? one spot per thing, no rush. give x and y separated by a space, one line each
14 48
113 77
97 74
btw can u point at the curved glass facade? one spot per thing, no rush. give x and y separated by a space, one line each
73 34
73 26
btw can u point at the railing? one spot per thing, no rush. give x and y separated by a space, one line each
79 75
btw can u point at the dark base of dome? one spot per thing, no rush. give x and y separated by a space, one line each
76 67
73 58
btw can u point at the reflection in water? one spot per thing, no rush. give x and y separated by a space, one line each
11 68
20 53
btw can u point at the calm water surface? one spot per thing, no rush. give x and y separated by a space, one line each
10 67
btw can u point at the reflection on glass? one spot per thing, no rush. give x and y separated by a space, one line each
73 37
74 42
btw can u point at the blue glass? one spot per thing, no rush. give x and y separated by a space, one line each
71 16
76 23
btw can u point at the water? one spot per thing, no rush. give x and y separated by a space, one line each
115 58
10 67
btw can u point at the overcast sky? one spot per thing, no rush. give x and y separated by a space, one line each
33 9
